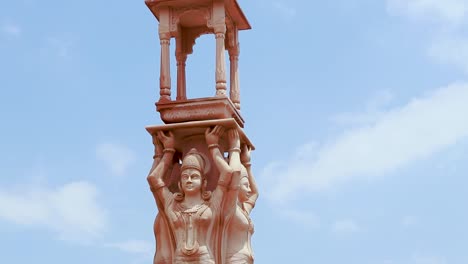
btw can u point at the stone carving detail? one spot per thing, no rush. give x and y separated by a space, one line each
240 227
177 13
201 176
195 225
186 22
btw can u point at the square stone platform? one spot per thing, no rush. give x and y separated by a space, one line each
199 109
184 131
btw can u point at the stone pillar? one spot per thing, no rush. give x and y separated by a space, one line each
165 40
181 57
219 28
181 84
234 90
220 61
165 72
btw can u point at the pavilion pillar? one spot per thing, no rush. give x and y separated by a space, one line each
234 90
220 63
165 73
219 27
181 58
181 80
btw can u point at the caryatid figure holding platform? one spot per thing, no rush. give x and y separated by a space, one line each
194 217
237 238
204 199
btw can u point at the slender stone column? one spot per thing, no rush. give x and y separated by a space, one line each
165 75
181 84
234 91
220 32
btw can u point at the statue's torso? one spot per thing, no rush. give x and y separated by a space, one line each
240 230
191 228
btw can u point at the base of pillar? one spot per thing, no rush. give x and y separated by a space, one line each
198 109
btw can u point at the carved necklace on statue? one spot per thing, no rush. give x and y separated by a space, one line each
190 217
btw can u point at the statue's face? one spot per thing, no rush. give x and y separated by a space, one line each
244 189
191 181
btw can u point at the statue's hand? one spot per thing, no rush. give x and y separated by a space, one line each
212 135
233 137
167 141
245 154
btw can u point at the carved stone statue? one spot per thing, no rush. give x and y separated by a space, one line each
191 223
240 227
204 199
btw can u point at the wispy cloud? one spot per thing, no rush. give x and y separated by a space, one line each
284 9
449 44
143 251
11 29
453 12
116 157
409 220
134 246
303 218
404 134
451 50
62 45
71 211
373 111
418 259
345 226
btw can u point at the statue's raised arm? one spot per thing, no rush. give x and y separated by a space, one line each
240 228
155 178
228 182
162 232
248 194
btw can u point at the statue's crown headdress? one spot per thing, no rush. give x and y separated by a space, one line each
193 160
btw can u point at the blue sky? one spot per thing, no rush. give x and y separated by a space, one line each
358 110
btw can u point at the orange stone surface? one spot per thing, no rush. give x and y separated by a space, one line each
201 178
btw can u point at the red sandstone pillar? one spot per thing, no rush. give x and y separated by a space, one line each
165 73
219 26
181 83
234 92
165 39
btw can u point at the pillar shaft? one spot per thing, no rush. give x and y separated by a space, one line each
181 80
234 91
220 32
165 74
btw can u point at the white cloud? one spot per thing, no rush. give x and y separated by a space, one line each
453 12
11 29
419 259
143 251
71 210
286 11
117 157
415 131
452 50
134 246
449 44
301 217
373 110
409 220
345 227
62 46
